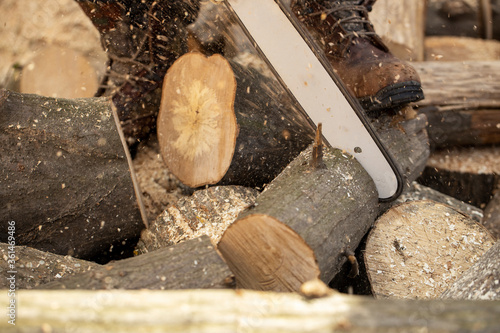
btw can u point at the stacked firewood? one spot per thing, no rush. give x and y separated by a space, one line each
267 205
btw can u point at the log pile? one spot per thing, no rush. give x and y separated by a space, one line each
265 204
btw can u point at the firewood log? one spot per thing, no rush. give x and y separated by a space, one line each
305 222
481 281
198 129
461 102
418 249
207 212
33 267
240 310
66 180
190 265
469 174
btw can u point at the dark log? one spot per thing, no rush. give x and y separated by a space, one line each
66 181
461 102
240 310
207 212
192 264
468 174
481 281
305 220
32 267
416 250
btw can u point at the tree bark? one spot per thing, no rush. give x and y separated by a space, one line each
461 102
190 265
418 249
481 281
304 222
34 267
66 182
241 310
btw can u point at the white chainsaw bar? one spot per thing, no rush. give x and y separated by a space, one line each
300 65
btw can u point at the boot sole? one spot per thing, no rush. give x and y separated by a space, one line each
393 97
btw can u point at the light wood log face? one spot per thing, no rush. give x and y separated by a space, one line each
197 128
418 249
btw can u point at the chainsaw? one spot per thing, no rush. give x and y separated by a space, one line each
312 82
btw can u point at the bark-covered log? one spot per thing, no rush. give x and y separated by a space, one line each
418 249
190 265
481 281
468 174
207 212
65 177
241 310
461 102
304 222
33 267
272 131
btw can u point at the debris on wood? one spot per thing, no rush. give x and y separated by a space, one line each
66 180
416 250
193 264
449 48
481 281
207 212
34 267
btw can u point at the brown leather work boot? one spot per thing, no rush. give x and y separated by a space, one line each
376 77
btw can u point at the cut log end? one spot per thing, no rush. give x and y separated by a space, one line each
274 257
197 127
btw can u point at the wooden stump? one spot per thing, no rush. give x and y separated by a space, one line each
418 249
66 180
191 265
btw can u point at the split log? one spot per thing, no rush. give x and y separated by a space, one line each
401 24
468 174
207 212
461 102
190 265
197 129
241 310
304 222
418 249
33 267
66 181
481 281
